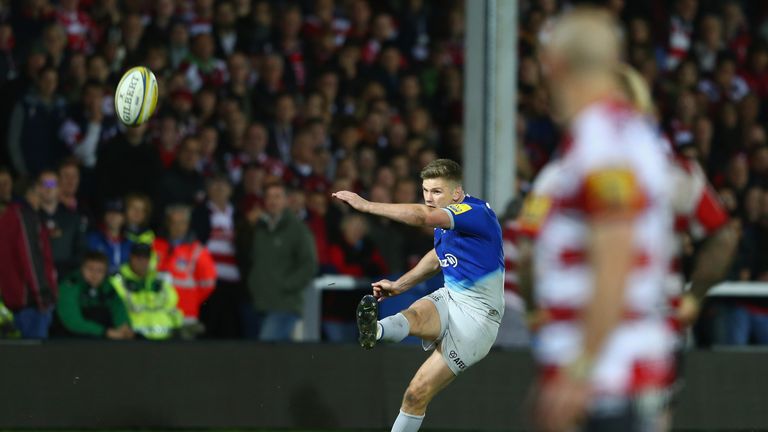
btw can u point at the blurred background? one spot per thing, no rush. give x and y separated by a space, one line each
213 222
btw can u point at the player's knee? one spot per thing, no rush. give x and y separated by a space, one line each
414 317
417 395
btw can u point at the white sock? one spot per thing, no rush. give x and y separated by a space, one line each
407 422
393 328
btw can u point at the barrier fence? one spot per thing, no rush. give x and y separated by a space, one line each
80 385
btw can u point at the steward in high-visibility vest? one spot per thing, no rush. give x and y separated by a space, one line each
186 262
150 299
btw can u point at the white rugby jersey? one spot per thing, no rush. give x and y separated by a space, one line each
612 163
698 213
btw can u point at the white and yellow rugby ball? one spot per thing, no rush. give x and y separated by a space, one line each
136 96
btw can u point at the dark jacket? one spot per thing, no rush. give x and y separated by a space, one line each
89 311
123 168
282 264
27 274
33 140
66 231
201 222
179 186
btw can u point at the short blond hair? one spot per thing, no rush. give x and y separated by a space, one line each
444 169
586 39
635 89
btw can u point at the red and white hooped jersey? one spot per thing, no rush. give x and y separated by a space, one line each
698 213
611 165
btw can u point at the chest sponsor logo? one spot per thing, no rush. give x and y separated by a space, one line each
449 261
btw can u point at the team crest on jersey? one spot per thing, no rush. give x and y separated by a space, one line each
458 209
612 189
535 211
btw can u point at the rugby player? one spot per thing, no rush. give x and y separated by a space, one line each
603 229
461 320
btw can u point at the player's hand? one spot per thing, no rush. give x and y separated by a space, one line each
354 200
688 310
561 404
385 288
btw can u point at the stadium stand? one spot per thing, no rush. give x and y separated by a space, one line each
325 95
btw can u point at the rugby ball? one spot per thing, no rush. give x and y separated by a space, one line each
136 96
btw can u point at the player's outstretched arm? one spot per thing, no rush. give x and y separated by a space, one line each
411 214
428 266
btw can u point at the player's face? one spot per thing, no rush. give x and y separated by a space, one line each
439 192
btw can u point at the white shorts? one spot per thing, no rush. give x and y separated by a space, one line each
465 336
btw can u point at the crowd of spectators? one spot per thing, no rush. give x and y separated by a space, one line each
265 107
217 211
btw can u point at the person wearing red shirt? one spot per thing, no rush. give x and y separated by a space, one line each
355 254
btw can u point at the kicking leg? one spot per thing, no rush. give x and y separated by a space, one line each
422 319
433 376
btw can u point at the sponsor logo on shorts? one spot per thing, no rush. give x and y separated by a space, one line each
455 358
449 261
435 298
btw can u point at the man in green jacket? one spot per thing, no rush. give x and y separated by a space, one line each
88 305
283 261
151 301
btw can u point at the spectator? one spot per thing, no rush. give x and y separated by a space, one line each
251 192
317 212
178 50
201 67
255 29
66 228
160 28
213 223
224 30
127 164
269 86
387 237
6 189
133 47
77 24
300 171
725 85
88 127
355 254
33 139
710 44
88 305
282 262
69 184
27 273
151 300
182 184
109 239
138 208
681 26
282 129
254 150
756 74
186 262
240 82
